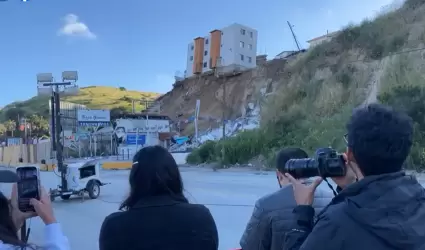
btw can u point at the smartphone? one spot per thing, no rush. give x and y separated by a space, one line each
28 186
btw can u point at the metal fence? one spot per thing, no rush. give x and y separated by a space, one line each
91 146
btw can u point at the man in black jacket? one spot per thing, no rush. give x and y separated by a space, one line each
272 213
384 209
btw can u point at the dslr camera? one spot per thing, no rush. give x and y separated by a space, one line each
326 163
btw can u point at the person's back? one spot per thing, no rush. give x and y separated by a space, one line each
379 206
380 212
157 215
160 223
272 214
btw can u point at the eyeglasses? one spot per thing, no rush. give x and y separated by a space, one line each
346 138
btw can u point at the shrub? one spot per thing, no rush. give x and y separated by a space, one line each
404 91
204 153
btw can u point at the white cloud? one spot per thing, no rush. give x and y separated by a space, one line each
72 26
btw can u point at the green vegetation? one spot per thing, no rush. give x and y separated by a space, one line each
36 109
318 91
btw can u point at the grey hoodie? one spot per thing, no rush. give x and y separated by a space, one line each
272 218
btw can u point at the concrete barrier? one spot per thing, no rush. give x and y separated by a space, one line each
180 159
116 165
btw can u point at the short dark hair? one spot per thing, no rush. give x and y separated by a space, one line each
286 154
154 173
380 138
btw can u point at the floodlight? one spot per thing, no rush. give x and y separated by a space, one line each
70 76
44 77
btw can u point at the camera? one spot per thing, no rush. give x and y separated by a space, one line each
326 163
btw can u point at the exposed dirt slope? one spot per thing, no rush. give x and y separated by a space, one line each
241 90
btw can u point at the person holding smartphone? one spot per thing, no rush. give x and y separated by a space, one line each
12 219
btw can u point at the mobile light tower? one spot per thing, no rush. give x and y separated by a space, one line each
47 80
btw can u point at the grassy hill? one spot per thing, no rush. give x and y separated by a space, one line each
94 97
380 60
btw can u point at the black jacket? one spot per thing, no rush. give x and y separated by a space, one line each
378 212
272 218
160 223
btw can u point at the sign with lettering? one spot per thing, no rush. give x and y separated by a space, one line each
93 117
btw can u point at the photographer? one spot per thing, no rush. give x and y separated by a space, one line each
379 206
11 220
271 217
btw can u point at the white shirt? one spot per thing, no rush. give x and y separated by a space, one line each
54 239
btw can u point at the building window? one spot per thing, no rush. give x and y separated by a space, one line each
242 57
205 53
250 46
206 41
243 31
191 47
205 64
251 34
191 58
241 44
249 59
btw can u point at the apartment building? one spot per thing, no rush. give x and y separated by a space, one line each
231 48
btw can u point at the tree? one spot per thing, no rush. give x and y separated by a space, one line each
10 126
3 129
38 125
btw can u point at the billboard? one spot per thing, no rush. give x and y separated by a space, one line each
93 117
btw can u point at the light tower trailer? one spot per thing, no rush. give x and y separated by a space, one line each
81 177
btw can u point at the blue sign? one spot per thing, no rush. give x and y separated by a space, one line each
131 139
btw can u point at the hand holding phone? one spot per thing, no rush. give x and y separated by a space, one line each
28 187
18 216
43 207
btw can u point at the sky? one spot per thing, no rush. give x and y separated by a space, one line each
142 44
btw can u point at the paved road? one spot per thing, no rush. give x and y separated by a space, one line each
223 192
228 194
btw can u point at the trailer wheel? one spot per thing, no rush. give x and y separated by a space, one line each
65 197
52 198
93 188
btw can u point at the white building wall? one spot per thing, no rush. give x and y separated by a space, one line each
189 59
206 60
239 46
320 41
231 50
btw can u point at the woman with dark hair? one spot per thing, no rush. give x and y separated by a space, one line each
156 214
11 220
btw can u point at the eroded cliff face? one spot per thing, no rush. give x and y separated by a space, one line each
243 93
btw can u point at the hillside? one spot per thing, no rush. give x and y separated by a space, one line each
379 60
241 90
95 97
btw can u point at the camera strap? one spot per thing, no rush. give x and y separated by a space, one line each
330 186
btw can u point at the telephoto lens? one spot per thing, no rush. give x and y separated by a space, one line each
327 163
302 168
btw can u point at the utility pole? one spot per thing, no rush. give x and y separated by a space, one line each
293 34
224 106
